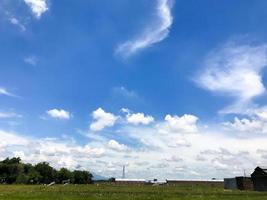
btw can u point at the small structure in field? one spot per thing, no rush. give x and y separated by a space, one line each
230 184
240 183
259 179
51 184
65 182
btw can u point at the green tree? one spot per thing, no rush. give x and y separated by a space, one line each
22 179
82 177
112 179
14 171
64 174
10 169
46 172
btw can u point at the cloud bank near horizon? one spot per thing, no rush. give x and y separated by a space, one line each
183 145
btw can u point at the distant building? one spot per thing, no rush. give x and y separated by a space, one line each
240 183
130 181
194 182
259 179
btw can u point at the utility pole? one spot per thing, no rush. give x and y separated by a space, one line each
123 171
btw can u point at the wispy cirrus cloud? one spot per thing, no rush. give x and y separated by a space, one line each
236 71
5 92
31 60
8 115
153 33
16 22
124 92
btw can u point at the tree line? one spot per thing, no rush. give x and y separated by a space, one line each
13 171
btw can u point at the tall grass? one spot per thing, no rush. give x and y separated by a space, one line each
112 192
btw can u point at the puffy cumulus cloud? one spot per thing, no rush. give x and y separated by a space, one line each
67 161
113 144
102 120
235 70
38 7
222 153
184 124
13 12
252 122
139 118
246 125
59 114
155 32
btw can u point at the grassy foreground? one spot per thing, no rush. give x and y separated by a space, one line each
112 192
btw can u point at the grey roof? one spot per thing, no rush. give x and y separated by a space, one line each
130 180
263 168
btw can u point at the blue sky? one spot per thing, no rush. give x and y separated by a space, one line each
99 84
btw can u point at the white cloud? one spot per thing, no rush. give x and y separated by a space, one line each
183 124
154 33
4 115
113 144
164 144
236 71
247 125
174 159
11 139
125 93
20 154
139 118
32 60
88 150
38 7
59 114
5 92
210 153
17 23
253 123
58 151
262 113
179 142
102 120
222 159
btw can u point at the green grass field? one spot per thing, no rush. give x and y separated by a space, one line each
112 192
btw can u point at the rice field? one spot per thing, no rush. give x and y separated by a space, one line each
112 192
